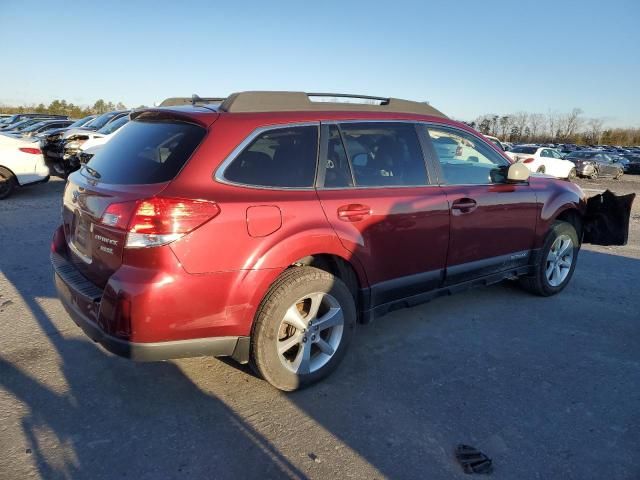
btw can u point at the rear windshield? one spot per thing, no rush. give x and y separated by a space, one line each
145 152
528 150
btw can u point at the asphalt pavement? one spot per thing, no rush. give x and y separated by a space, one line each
549 388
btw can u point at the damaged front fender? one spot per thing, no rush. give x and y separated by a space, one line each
606 220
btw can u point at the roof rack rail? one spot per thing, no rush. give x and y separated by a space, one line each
192 100
257 101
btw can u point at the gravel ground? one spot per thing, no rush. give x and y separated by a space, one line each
549 388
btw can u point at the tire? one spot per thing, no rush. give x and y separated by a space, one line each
296 293
60 170
618 175
572 174
595 174
540 283
7 183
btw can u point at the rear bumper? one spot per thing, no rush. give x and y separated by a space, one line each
585 170
81 299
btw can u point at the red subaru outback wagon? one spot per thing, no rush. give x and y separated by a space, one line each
265 226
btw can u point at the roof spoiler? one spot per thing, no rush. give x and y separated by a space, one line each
192 100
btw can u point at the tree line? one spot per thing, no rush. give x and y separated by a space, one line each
62 107
553 127
519 127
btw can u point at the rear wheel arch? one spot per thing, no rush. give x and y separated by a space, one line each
337 266
8 170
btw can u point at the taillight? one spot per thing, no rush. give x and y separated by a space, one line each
528 160
158 221
33 151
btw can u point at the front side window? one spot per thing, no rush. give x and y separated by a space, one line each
281 157
465 159
384 154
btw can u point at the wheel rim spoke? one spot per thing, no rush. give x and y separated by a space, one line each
285 345
565 248
302 362
316 301
550 270
332 318
325 347
293 318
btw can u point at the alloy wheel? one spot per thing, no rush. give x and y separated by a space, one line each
310 333
559 260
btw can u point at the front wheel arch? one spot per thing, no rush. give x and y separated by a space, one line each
573 217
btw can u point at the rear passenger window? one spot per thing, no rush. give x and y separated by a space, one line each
338 172
282 157
384 154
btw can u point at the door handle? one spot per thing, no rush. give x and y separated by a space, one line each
463 205
354 212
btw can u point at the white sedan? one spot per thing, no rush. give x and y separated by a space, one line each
543 160
21 163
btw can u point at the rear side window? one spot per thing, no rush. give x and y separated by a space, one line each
337 170
384 154
282 157
146 152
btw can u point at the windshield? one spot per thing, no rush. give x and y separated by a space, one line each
17 124
102 120
25 123
82 121
524 149
115 125
34 127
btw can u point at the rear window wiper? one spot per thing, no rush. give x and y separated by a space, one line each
94 173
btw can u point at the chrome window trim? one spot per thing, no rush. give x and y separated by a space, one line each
219 174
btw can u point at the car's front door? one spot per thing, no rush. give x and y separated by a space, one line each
492 222
376 193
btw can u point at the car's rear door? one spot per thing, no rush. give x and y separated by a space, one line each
376 193
492 222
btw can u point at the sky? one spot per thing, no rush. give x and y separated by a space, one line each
466 58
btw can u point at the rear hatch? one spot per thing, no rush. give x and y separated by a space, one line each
137 164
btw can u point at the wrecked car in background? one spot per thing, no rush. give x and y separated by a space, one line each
61 149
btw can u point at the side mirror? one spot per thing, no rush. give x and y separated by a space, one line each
518 173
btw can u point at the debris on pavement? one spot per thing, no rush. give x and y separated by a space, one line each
473 460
